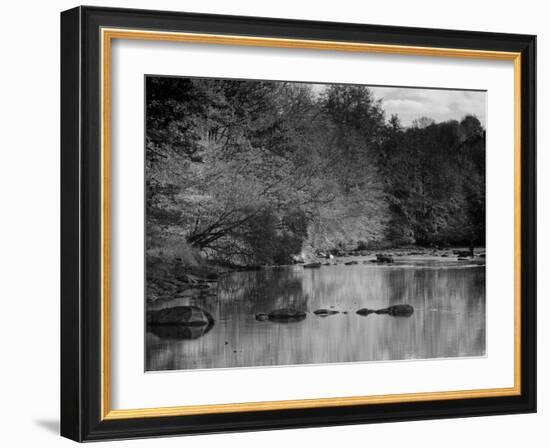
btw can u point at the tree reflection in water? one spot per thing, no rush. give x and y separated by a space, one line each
448 319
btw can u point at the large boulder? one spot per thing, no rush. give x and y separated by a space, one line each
397 310
286 315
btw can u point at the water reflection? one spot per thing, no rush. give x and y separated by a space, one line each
448 319
179 331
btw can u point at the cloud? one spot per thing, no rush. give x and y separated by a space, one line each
440 105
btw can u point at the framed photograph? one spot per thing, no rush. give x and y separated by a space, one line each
276 224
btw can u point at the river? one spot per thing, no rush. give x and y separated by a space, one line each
448 319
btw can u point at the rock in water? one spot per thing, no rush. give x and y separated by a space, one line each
286 315
324 312
350 263
364 312
397 310
180 322
384 258
464 253
188 316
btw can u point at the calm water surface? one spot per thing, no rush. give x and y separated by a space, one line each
448 319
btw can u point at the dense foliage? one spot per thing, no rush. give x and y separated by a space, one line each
256 172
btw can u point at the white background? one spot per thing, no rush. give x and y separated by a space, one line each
29 182
132 388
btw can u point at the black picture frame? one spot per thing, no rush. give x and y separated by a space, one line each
81 224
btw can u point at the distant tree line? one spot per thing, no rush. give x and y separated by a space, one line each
259 171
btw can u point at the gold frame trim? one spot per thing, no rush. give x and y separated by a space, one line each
107 35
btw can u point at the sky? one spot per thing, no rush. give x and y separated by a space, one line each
440 105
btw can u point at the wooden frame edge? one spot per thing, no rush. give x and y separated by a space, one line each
107 34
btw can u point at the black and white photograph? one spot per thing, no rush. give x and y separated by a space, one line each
275 223
294 223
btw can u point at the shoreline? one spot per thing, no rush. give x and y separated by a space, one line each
396 256
170 281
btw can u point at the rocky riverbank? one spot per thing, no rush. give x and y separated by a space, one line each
169 280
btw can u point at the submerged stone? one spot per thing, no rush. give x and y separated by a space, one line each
285 315
324 312
364 312
397 310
